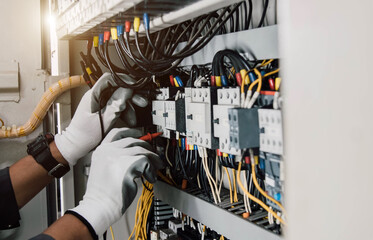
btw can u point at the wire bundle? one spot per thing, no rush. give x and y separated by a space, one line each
143 208
157 54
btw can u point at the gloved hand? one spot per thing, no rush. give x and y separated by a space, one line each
111 187
104 88
84 132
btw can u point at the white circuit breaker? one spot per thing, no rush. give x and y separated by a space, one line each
227 98
270 124
198 107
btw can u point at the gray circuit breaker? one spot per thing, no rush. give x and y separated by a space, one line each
244 128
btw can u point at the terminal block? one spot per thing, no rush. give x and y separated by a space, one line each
169 115
227 98
198 107
270 124
244 128
167 93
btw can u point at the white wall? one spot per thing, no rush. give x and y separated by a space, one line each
327 55
20 25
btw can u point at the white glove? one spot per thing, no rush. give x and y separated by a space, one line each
115 164
84 132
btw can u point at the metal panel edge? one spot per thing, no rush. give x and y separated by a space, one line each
222 221
259 43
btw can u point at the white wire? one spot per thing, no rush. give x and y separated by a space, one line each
209 176
166 153
244 198
198 181
209 180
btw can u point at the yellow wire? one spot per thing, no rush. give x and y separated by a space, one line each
263 205
253 172
257 81
271 73
243 84
2 122
230 184
112 233
221 237
235 198
142 213
264 63
164 178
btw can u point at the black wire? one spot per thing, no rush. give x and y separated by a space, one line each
144 185
107 58
250 13
139 84
264 14
101 121
100 57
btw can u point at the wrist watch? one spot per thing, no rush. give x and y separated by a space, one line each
39 149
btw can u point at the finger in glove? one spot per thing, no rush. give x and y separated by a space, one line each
119 133
129 115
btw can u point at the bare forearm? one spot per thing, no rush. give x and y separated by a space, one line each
29 178
68 228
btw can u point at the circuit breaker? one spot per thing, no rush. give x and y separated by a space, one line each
244 128
227 98
270 124
199 117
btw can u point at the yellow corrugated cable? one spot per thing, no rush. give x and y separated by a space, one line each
263 205
112 233
230 184
41 109
271 73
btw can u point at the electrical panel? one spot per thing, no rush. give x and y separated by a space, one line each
217 104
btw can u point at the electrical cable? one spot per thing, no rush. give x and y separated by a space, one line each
230 185
263 205
264 14
41 109
112 233
271 73
253 172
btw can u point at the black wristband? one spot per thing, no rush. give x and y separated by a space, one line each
85 222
